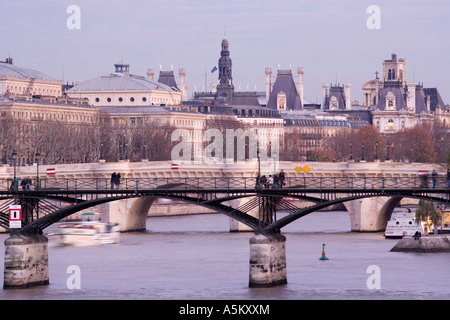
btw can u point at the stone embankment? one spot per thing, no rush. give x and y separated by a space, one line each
430 243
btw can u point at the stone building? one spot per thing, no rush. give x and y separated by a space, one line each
397 104
19 80
284 95
124 89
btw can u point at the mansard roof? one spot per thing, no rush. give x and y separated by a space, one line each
397 90
285 83
337 92
167 78
435 98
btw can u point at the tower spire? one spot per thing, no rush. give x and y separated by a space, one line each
225 87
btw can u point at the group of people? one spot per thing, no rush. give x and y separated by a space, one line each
115 180
434 176
25 184
277 181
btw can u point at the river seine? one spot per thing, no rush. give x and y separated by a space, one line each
196 257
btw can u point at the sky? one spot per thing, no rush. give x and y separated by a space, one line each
330 39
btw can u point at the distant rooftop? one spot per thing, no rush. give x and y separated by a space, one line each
121 80
8 69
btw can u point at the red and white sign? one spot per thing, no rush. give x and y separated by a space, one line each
51 171
15 216
174 166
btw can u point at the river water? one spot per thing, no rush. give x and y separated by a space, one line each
196 257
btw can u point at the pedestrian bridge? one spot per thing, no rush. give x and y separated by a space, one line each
40 209
370 191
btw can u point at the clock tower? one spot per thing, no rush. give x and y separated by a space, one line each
225 87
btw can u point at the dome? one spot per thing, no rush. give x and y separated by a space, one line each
120 82
7 69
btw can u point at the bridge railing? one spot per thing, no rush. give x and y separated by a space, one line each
230 183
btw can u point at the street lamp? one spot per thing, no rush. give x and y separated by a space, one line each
14 154
362 152
376 150
351 152
37 170
387 152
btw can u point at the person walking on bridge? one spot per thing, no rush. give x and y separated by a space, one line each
113 180
117 181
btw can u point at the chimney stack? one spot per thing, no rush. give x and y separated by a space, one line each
300 72
324 94
183 87
150 74
268 83
348 103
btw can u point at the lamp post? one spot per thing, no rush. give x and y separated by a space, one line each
37 170
362 152
387 152
14 154
376 150
351 152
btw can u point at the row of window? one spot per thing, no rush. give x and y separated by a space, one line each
165 100
144 99
24 115
34 90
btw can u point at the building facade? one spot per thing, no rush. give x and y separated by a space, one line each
124 89
19 80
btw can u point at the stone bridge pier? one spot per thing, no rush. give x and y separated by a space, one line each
371 214
131 214
26 261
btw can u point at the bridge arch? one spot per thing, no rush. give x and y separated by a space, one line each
137 211
382 217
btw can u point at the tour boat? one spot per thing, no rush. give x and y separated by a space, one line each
403 223
90 231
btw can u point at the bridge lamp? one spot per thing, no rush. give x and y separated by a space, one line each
362 151
376 150
351 152
14 155
37 170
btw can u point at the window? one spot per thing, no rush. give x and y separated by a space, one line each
97 100
109 99
120 99
390 125
390 101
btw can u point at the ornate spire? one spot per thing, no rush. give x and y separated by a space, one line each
225 87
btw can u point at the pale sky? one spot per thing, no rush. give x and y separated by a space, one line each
329 39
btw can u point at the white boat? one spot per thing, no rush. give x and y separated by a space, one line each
90 231
403 223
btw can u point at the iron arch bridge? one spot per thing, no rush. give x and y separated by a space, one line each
40 208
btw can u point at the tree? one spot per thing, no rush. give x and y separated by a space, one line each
293 149
427 211
414 145
364 144
319 154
